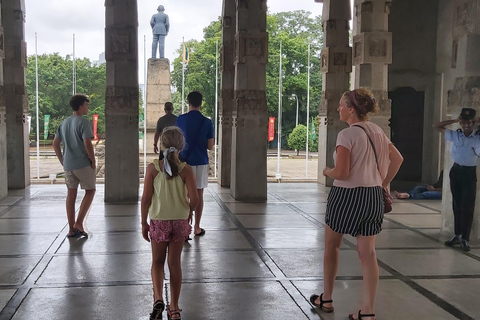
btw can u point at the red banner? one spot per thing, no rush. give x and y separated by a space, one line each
95 123
271 129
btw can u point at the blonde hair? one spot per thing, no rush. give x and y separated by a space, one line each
172 137
362 101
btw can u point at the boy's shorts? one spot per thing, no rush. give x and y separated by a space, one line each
85 177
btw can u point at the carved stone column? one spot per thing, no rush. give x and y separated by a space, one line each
372 53
226 92
336 67
13 19
3 123
250 121
121 102
465 94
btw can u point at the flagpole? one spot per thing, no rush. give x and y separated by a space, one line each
183 77
74 71
144 106
308 111
216 105
36 107
279 131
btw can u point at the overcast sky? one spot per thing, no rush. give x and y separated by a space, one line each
55 22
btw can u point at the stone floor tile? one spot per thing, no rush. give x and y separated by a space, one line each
207 265
108 243
5 296
32 225
14 271
291 238
218 239
423 262
409 207
275 221
309 263
9 201
401 238
25 244
259 208
233 300
394 301
96 224
97 268
453 291
418 220
312 207
112 302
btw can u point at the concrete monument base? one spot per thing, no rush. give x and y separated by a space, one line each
158 92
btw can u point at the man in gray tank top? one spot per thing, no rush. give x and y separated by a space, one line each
78 160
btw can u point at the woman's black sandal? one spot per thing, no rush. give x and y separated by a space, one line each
314 297
176 312
360 315
158 308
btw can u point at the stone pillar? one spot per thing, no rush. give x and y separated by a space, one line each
15 95
121 102
227 102
3 123
336 65
249 115
158 92
372 53
465 94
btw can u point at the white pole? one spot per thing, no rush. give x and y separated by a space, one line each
279 137
308 111
183 77
216 105
296 118
74 89
36 108
144 106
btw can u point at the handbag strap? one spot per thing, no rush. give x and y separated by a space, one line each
373 147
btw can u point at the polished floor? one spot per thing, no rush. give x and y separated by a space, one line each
256 261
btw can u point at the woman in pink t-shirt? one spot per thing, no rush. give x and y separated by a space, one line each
355 203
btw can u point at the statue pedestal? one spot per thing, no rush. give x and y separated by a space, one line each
158 92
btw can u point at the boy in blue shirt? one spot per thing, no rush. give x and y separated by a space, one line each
198 132
465 153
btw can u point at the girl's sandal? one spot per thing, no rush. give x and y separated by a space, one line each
314 297
158 308
360 315
176 313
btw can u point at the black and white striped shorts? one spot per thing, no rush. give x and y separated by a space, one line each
355 211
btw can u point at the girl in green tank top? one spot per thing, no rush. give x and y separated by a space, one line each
169 199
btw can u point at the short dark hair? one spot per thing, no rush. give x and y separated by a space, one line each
195 99
168 106
78 100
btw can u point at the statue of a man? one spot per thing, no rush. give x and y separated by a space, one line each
160 26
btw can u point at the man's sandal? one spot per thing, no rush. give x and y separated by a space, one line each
171 313
360 315
158 308
314 297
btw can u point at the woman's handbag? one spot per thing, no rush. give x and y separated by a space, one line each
387 201
387 198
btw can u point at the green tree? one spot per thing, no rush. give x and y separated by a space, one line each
297 139
296 29
55 89
200 71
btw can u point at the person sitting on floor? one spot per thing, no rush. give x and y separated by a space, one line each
424 192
